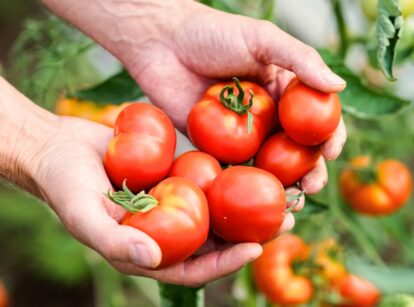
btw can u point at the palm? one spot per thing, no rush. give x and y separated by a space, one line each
176 75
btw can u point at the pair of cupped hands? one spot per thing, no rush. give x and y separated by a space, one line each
174 68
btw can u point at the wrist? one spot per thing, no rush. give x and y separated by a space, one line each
26 130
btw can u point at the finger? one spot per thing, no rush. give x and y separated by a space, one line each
270 45
297 203
332 148
314 181
213 243
202 269
288 223
90 223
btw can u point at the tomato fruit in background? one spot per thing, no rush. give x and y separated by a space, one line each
219 124
110 113
274 275
385 190
370 8
286 159
174 213
4 300
308 116
143 148
246 204
328 256
358 292
199 167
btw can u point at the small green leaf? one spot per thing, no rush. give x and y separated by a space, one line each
397 300
179 296
117 89
312 206
389 31
358 99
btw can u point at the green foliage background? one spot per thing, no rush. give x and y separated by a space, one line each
50 59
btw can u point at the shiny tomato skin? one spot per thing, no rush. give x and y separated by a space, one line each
308 116
180 222
247 204
199 167
286 159
274 275
146 118
358 292
386 194
139 158
223 133
143 148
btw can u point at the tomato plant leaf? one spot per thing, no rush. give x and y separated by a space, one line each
358 99
117 89
389 31
179 296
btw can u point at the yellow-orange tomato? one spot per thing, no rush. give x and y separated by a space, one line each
274 275
328 256
109 114
67 106
385 194
358 292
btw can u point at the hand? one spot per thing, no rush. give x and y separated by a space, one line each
207 45
178 48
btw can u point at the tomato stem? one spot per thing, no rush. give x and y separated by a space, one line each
293 197
134 203
235 103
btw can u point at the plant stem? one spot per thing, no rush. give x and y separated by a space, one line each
340 23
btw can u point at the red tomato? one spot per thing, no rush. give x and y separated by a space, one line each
179 223
274 275
358 292
286 159
308 116
247 204
384 194
142 150
218 125
197 166
4 300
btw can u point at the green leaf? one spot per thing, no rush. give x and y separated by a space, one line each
312 206
389 31
397 300
358 99
115 90
179 296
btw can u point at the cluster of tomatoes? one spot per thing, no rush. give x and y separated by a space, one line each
239 203
375 188
89 110
291 272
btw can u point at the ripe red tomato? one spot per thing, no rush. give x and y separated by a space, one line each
358 292
386 191
197 166
218 124
286 159
4 300
274 275
179 222
247 204
142 150
308 116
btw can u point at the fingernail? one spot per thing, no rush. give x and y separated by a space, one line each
332 78
141 256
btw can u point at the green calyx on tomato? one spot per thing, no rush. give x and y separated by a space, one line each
235 103
134 203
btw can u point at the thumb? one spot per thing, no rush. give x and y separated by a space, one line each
98 230
270 45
